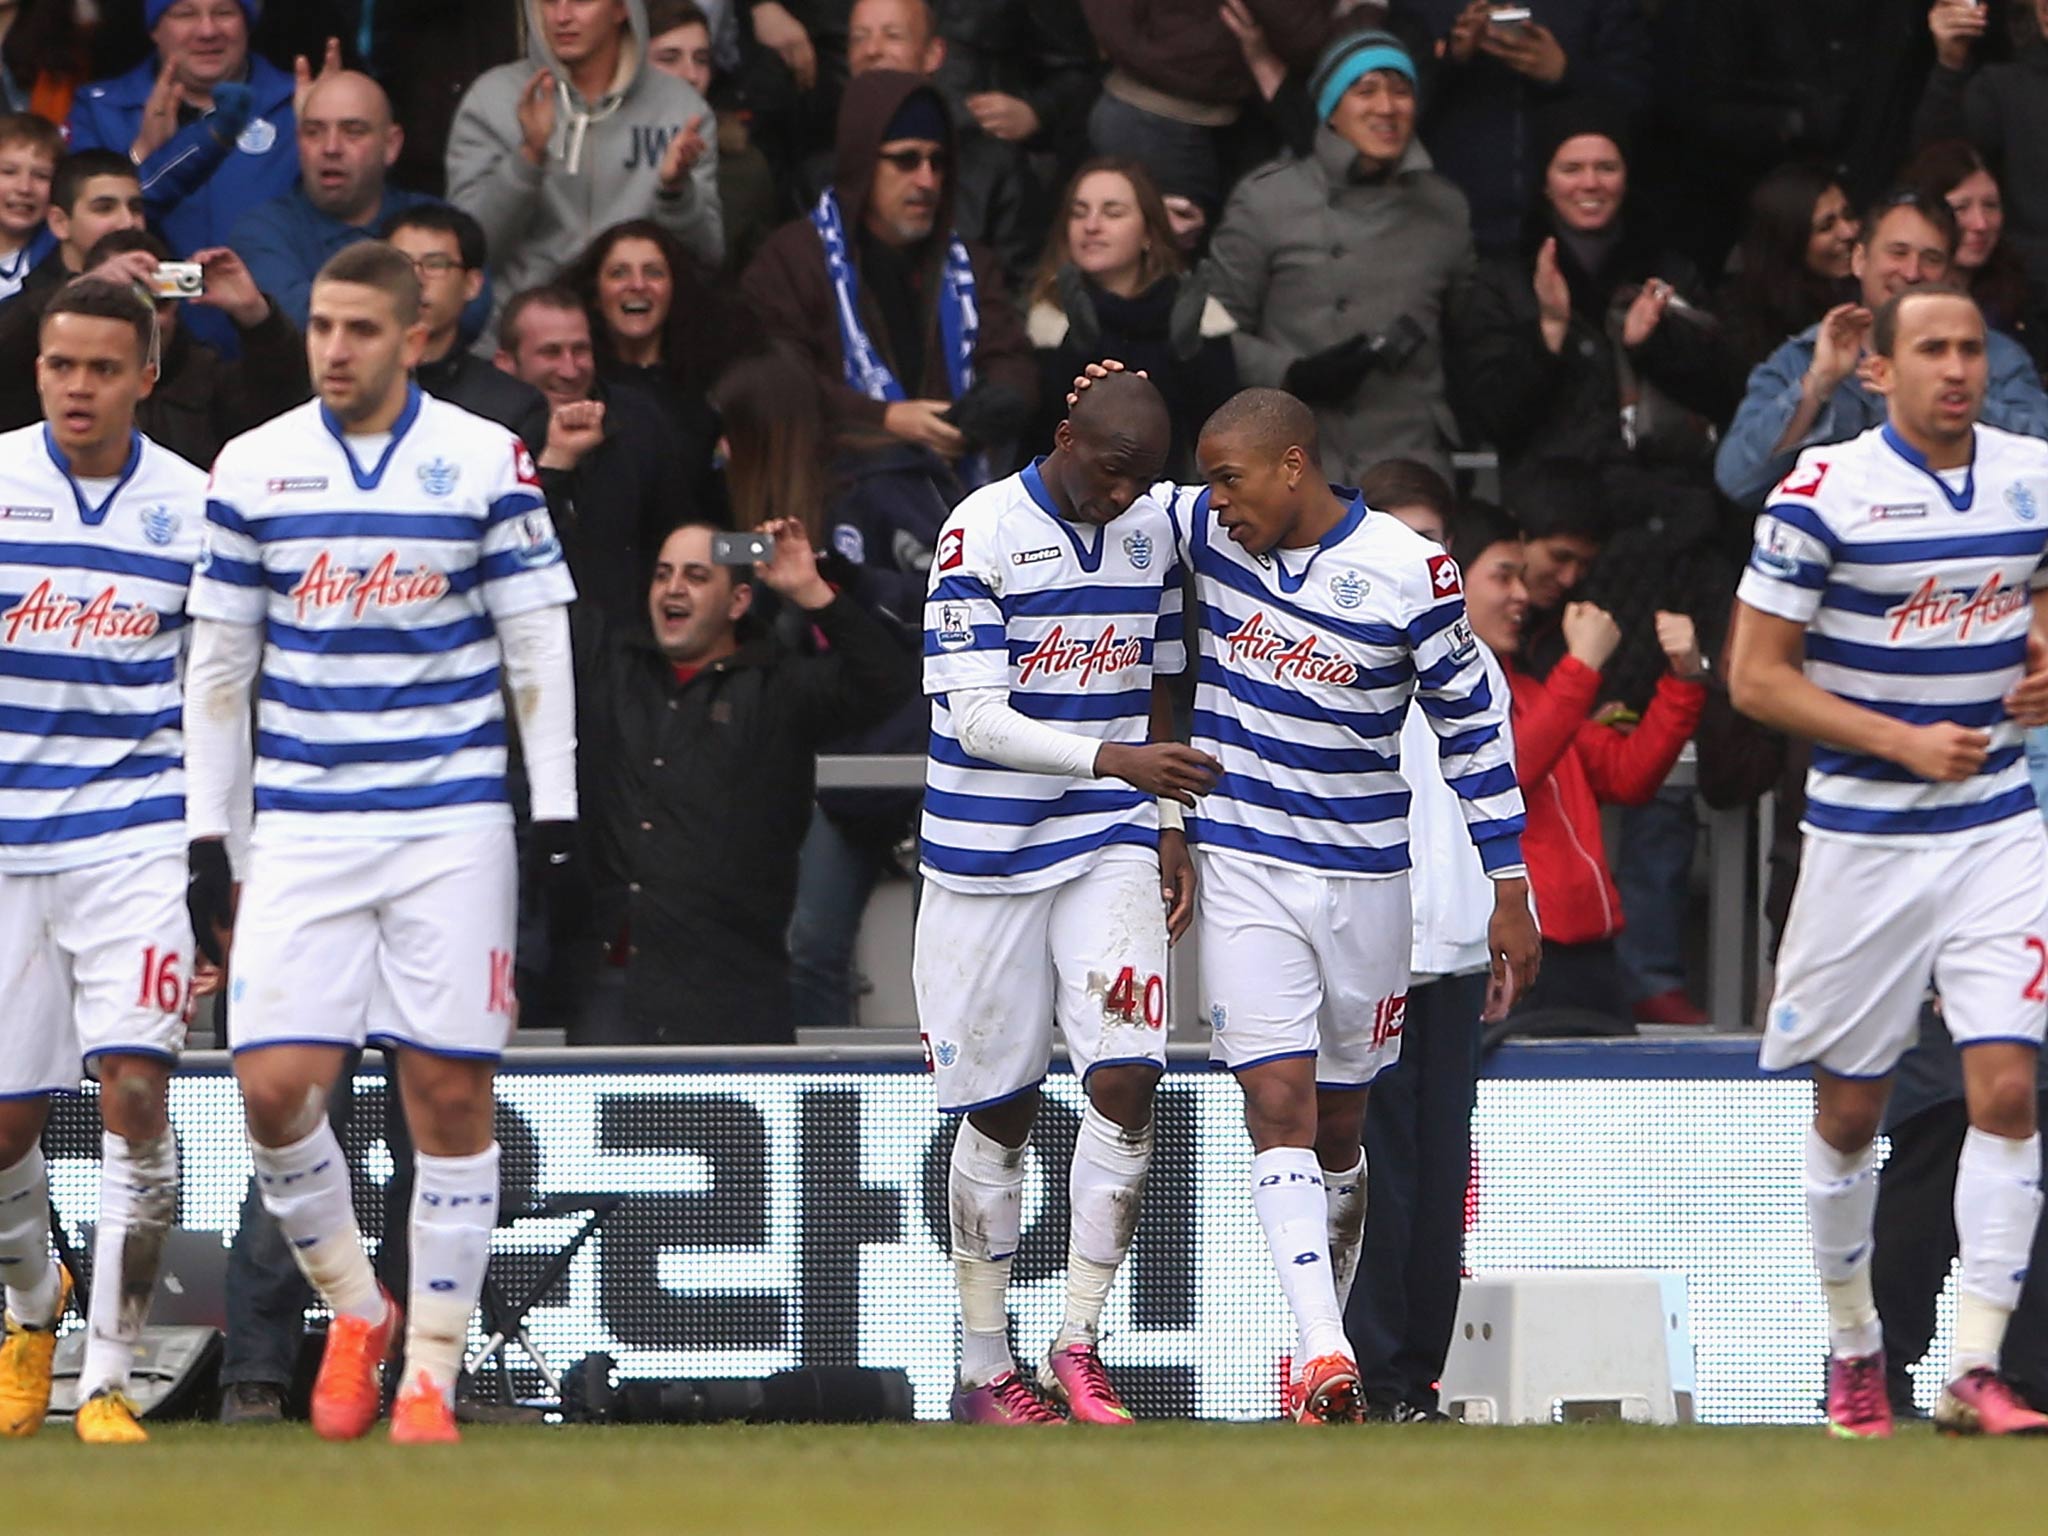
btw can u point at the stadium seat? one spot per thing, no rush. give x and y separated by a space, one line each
1555 1346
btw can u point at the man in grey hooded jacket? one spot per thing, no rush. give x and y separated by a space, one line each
547 153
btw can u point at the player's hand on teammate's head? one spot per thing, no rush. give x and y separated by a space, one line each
1943 753
1091 373
1590 634
1166 769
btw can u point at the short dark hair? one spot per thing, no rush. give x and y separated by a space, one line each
1558 498
81 166
1268 415
667 15
101 298
1933 209
444 220
374 264
1884 329
1408 483
1479 526
546 296
117 241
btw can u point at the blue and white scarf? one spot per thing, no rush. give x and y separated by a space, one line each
959 322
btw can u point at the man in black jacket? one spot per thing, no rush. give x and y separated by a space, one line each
698 755
614 478
447 250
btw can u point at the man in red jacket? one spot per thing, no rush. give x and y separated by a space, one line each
1569 765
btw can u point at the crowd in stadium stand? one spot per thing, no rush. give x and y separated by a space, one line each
835 260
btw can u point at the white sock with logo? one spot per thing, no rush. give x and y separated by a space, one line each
28 1268
1288 1194
305 1188
1104 1191
1841 1203
1345 1192
454 1208
1998 1203
985 1199
138 1200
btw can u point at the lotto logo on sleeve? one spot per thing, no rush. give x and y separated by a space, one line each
522 465
1443 575
952 548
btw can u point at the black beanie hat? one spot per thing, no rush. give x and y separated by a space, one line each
922 116
1551 125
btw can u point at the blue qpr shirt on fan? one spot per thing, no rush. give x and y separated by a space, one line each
1916 588
1072 621
378 586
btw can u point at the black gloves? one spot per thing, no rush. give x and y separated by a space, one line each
209 895
560 873
1328 377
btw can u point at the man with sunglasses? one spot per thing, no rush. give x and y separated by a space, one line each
1815 388
909 325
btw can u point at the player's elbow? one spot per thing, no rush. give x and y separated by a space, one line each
1749 684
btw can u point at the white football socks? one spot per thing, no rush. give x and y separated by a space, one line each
138 1199
985 1200
305 1188
1345 1192
1841 1202
28 1269
1287 1192
1998 1202
454 1207
1105 1188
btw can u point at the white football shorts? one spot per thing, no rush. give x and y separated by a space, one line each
994 973
416 934
95 961
1296 963
1872 925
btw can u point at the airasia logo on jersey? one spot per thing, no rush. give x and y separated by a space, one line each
330 584
46 611
1058 654
1930 610
1256 640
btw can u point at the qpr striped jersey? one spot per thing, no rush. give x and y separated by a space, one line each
377 568
94 577
1072 621
1916 588
1307 661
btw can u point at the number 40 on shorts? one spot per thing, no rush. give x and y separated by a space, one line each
1129 995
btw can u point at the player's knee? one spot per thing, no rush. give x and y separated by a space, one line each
2004 1105
1849 1127
1008 1123
19 1134
280 1110
1123 1095
132 1104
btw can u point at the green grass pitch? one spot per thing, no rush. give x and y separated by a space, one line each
904 1480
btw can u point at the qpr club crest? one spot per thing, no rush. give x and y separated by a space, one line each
1348 589
1139 547
2025 505
945 1052
438 476
159 524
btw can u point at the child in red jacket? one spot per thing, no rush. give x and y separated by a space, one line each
1569 765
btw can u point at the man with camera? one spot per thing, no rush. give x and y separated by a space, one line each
699 734
1335 266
